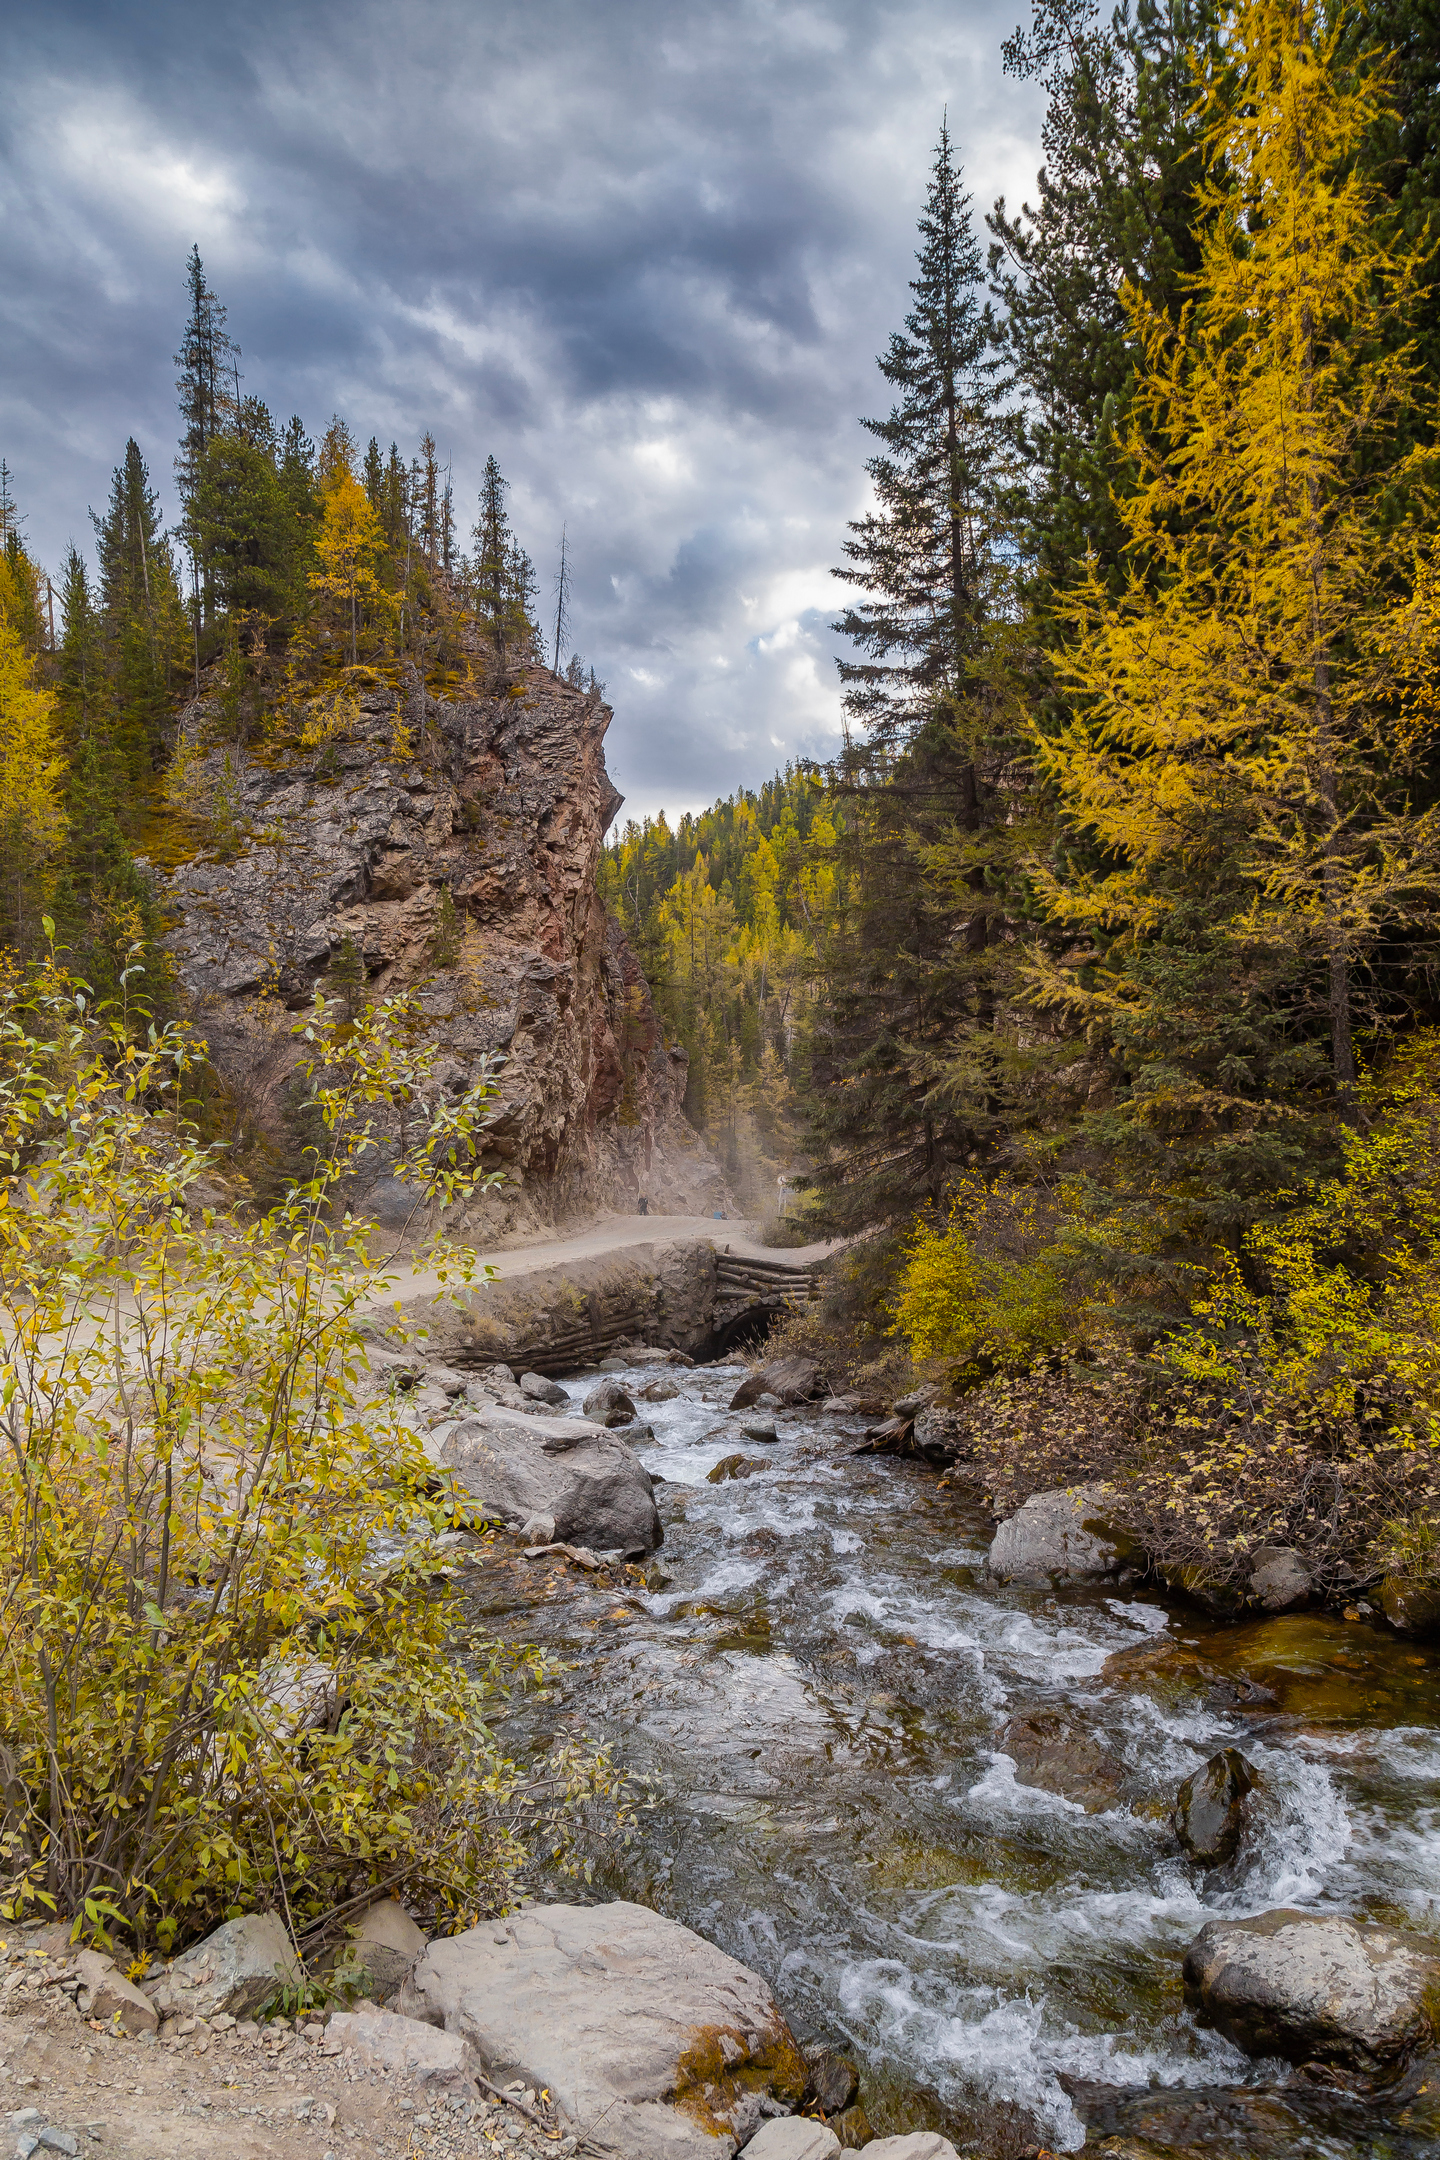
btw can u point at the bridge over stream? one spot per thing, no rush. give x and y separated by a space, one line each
686 1283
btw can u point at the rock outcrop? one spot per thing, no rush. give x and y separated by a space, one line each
1352 1996
452 838
646 2037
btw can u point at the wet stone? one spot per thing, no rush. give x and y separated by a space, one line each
1053 1750
608 1404
834 2079
1211 1808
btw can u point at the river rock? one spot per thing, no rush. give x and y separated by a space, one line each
789 1380
380 1955
837 1406
834 2079
1176 1672
1410 1605
441 2063
646 2036
608 1404
539 1389
106 1994
793 2137
236 1969
660 1391
758 1428
1054 1751
1279 1579
731 1466
592 1487
1211 1808
1062 1537
917 2145
1352 1995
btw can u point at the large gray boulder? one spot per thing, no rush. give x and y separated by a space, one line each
788 1379
647 2037
1280 1579
588 1482
1062 1537
1354 1996
236 1969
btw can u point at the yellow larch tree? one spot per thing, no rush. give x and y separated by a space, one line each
32 769
1243 718
349 544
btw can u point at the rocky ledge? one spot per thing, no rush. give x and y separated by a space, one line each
450 840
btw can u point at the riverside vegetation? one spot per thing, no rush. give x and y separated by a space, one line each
1093 982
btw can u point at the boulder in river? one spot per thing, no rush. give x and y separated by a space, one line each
659 1390
1279 1579
539 1389
608 1404
789 1380
1053 1750
647 2037
1350 1995
591 1485
758 1428
1066 1536
1211 1808
834 2079
731 1466
1411 1605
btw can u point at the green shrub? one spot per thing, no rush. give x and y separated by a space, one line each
223 1682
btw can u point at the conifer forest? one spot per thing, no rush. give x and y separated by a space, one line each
1068 1029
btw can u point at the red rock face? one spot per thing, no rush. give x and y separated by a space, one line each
501 804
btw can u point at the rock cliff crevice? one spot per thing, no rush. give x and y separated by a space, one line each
446 845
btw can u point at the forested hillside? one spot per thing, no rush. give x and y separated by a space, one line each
1098 971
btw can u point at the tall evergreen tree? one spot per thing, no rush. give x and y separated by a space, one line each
910 962
140 604
1117 204
208 361
493 544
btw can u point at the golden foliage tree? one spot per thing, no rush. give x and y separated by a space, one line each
349 545
32 822
1244 717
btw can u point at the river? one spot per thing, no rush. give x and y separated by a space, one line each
818 1673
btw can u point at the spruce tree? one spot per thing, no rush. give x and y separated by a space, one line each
493 546
1116 208
140 604
911 963
208 362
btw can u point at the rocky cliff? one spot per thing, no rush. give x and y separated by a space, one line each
447 842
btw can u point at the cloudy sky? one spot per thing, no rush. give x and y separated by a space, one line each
644 253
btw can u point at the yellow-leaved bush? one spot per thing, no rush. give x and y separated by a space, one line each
990 1288
224 1680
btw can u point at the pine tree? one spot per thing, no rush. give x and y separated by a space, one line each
562 601
493 545
141 611
208 361
912 960
923 556
1116 210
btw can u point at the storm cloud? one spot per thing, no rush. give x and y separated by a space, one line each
644 254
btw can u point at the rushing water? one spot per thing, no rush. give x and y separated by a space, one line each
820 1675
